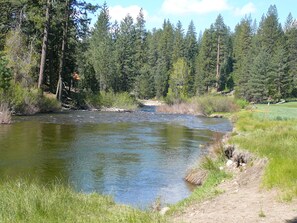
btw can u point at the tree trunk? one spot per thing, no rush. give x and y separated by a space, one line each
218 66
44 44
62 58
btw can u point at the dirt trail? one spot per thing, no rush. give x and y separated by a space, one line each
242 202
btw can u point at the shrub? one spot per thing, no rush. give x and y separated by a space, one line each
93 101
28 101
118 100
209 104
23 100
242 103
48 104
109 100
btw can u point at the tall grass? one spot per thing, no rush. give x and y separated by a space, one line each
203 105
274 137
30 202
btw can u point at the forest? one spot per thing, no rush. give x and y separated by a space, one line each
50 47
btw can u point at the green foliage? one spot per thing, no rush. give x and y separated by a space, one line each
119 100
5 75
209 104
24 201
178 78
242 103
110 100
28 101
144 83
22 59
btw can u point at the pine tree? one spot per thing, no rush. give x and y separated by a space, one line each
258 89
191 52
242 56
291 44
178 47
164 62
280 75
223 51
100 49
205 78
125 54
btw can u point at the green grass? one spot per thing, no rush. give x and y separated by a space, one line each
271 131
279 112
30 202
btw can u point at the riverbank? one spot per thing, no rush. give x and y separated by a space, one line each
260 191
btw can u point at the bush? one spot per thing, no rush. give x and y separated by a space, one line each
110 100
47 104
209 104
242 103
28 101
118 100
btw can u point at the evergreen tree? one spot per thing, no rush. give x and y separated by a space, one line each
223 51
270 32
191 52
205 78
291 43
178 47
242 55
125 54
258 89
101 49
280 76
164 62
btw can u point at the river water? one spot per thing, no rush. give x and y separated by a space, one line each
134 157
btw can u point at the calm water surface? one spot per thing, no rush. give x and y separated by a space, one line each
135 157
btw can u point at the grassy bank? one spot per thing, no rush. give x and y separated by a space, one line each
271 131
31 202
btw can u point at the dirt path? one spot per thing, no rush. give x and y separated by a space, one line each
243 201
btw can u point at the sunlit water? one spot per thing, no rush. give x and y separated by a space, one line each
135 157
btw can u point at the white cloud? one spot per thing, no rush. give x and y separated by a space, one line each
194 6
245 10
119 12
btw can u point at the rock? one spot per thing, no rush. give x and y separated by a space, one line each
229 163
164 210
229 150
216 116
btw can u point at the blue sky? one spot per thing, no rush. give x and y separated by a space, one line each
202 12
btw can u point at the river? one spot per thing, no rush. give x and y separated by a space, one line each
135 157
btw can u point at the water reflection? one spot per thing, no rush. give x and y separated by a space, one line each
133 157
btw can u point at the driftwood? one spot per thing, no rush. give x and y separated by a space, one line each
196 176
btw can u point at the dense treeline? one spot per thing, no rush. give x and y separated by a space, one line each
43 43
258 62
